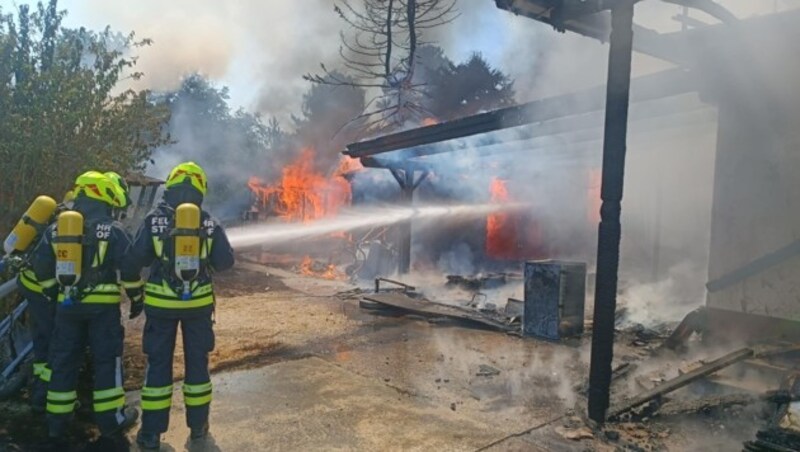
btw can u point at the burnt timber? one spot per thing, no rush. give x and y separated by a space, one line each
431 309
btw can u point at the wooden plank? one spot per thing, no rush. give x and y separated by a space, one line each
683 380
429 308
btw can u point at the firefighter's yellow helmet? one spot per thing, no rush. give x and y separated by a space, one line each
123 186
188 173
96 185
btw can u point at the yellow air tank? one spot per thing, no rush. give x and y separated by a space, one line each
69 251
32 222
186 238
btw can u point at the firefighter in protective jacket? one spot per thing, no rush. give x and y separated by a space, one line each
42 310
181 257
83 252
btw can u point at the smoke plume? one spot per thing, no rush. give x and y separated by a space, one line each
263 48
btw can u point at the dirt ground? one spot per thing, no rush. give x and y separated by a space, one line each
243 337
511 393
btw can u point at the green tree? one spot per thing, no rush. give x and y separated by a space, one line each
63 106
231 145
458 90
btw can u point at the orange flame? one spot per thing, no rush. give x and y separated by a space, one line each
302 193
429 121
501 231
330 272
348 165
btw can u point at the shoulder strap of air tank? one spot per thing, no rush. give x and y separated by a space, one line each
206 241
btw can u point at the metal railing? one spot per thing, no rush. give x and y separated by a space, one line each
7 288
17 348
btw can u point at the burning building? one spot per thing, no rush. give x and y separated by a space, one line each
735 78
303 194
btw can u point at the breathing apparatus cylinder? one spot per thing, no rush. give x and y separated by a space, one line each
33 221
69 252
186 239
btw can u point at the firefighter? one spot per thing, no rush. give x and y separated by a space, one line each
179 292
42 312
83 252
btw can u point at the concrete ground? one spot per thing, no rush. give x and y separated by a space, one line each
298 367
302 369
313 404
375 382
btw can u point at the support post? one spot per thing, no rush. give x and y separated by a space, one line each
404 228
408 183
614 147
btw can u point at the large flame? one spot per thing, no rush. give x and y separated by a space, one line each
512 234
501 230
304 194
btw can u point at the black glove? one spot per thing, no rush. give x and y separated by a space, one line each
137 302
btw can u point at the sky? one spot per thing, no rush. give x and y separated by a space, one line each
260 49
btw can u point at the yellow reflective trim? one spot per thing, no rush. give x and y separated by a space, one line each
100 407
162 396
196 389
28 279
48 283
206 248
101 298
197 395
197 401
62 396
156 392
165 291
94 298
111 287
31 286
155 405
155 301
60 409
132 284
106 393
158 247
102 248
100 255
100 294
41 370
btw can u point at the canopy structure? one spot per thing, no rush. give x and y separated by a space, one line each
708 61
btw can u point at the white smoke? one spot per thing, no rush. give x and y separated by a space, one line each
260 48
678 292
